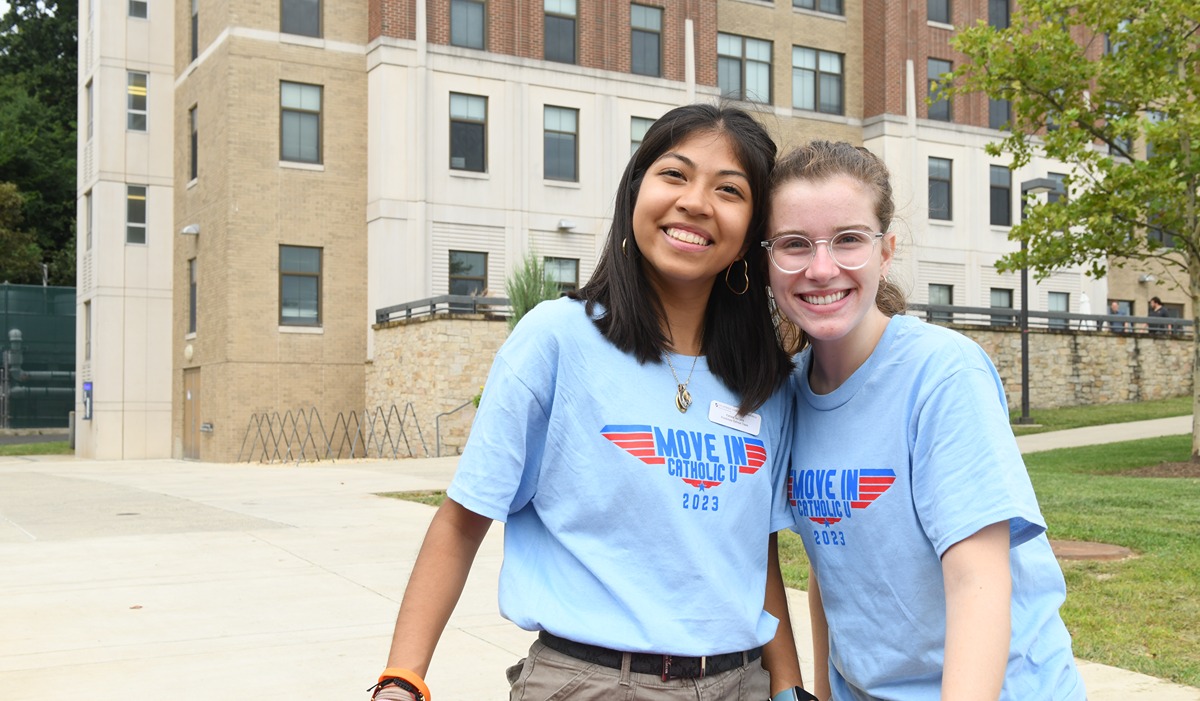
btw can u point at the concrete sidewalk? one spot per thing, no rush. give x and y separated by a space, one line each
1099 435
182 580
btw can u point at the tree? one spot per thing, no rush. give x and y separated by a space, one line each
20 256
527 287
38 86
1112 88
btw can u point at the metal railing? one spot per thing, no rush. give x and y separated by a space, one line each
497 307
301 436
1053 321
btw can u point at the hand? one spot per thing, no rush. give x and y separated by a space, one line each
394 693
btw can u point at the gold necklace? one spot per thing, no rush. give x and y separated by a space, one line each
683 398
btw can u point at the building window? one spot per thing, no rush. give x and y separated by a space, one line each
468 132
638 127
744 68
137 8
301 17
300 122
831 7
468 273
193 145
191 328
942 296
939 107
1002 299
940 188
87 214
1157 234
1000 194
938 11
135 214
467 28
998 14
560 149
299 286
195 29
646 41
560 30
1113 41
87 330
999 113
91 109
563 272
1153 117
1058 302
817 80
135 101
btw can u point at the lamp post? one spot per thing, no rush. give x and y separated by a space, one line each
1029 187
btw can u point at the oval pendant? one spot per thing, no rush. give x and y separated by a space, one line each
683 400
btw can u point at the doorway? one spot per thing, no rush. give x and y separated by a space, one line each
191 414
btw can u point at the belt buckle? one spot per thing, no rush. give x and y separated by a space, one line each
666 673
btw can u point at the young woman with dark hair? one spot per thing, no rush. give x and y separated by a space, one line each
633 439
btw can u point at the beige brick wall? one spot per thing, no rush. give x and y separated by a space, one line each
247 204
786 27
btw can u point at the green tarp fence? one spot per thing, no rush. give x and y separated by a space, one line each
37 341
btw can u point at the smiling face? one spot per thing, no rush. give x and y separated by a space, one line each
693 208
835 307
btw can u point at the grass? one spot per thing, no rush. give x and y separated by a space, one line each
1143 613
1096 414
49 448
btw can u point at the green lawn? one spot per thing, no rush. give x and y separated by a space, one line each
51 448
1096 414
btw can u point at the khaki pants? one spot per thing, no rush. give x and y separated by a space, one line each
548 675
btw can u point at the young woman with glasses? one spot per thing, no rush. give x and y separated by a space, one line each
932 577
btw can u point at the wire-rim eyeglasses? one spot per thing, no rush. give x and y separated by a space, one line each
849 250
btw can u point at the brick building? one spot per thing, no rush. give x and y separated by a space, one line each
311 161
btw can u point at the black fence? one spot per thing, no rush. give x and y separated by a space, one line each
495 307
1053 321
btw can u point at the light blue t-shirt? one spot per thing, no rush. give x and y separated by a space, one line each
628 524
912 454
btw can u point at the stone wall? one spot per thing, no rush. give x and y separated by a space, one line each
1073 368
439 363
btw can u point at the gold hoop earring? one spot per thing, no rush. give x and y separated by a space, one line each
745 276
624 251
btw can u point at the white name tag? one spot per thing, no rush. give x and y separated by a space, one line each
727 416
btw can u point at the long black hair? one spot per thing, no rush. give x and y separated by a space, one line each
739 336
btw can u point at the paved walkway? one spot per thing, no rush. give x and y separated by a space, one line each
150 579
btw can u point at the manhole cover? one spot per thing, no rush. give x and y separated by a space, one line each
1083 550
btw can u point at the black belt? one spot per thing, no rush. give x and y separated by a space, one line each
666 666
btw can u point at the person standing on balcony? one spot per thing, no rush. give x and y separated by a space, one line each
931 573
633 439
1115 325
1158 310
